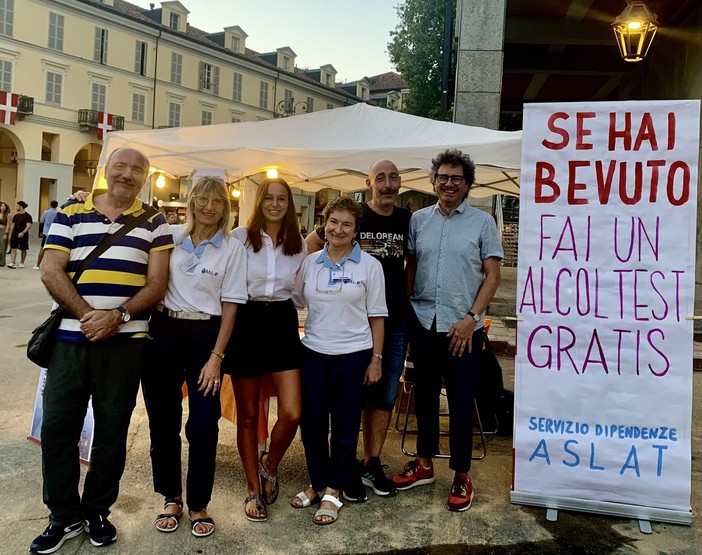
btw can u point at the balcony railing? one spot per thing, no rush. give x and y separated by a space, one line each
88 119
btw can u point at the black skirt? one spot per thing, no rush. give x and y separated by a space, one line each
265 339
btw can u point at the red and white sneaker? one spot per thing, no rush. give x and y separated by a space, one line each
461 495
414 474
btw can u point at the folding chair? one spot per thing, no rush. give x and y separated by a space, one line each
406 397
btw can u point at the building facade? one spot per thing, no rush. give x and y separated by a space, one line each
387 90
72 70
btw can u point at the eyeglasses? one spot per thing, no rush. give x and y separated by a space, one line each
329 282
201 201
443 178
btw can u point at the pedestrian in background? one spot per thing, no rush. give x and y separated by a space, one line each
19 234
47 218
4 231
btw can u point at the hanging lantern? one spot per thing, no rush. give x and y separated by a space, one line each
634 30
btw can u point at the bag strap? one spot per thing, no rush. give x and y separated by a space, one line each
112 238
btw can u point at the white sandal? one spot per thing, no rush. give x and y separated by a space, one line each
306 501
334 514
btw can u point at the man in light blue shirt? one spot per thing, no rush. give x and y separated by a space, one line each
47 218
453 271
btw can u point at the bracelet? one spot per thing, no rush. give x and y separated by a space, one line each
378 356
220 355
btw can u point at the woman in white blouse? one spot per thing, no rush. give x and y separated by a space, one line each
190 331
266 340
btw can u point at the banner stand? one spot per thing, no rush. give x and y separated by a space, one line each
605 290
638 512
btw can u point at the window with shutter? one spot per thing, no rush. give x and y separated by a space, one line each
140 58
55 32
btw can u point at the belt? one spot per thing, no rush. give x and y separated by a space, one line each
179 315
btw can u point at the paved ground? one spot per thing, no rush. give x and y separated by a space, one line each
414 522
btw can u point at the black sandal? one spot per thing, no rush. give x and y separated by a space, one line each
267 478
260 507
175 517
207 520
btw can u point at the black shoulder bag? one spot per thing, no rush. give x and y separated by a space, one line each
41 344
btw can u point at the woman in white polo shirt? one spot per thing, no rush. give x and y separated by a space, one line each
190 331
344 290
266 340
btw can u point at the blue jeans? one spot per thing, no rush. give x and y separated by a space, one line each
332 385
382 394
434 364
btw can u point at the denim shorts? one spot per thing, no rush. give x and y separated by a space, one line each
381 395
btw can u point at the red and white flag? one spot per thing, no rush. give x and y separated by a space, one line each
8 107
104 124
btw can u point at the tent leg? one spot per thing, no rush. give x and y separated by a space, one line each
552 515
645 526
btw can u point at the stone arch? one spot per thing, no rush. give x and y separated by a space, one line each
85 166
11 150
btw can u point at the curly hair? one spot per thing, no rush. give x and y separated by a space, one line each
347 204
454 157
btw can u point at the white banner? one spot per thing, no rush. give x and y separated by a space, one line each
85 444
607 236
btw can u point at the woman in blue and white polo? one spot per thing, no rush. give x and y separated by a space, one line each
190 332
344 290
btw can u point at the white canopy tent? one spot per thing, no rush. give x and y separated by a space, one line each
330 149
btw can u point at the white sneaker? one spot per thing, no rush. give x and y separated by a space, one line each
11 265
35 268
21 265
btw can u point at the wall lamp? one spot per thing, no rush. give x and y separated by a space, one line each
634 30
289 107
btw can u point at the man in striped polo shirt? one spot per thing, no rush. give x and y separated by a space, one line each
100 346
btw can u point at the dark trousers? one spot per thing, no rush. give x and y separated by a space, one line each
110 373
435 366
332 385
179 350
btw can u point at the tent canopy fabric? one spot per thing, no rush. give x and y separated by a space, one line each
331 148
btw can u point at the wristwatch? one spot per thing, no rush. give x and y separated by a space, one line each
124 314
474 316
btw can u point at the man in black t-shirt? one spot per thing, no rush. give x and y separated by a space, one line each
383 234
19 234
